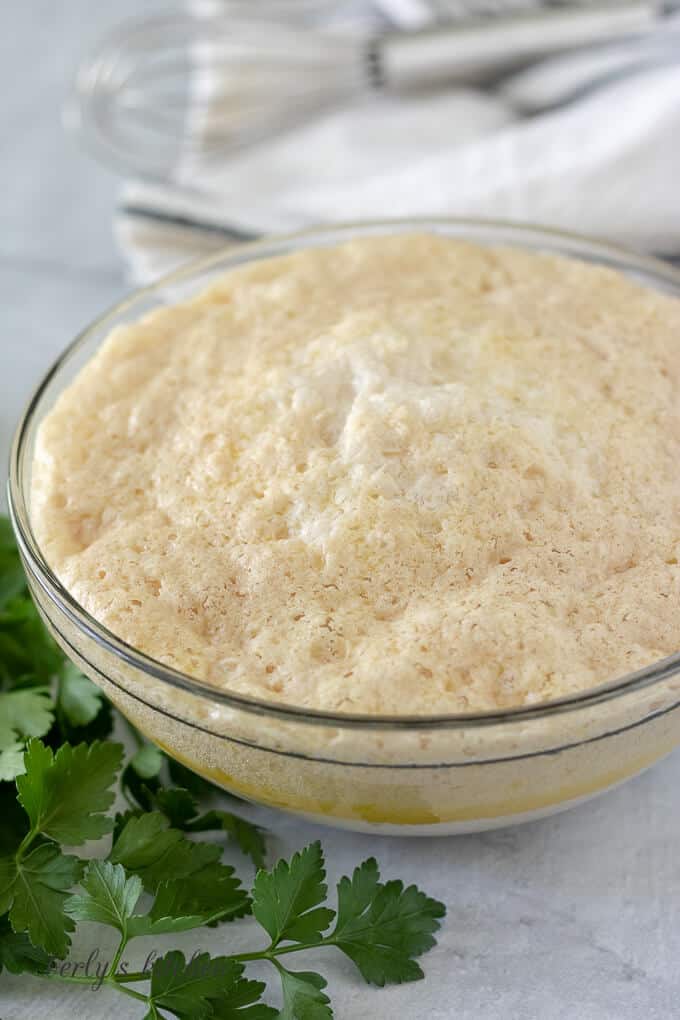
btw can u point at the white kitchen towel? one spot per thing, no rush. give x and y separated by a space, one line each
605 164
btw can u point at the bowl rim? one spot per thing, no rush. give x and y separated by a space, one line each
577 245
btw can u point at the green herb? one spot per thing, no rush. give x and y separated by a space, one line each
187 877
381 927
145 791
248 837
157 879
147 762
26 649
12 579
18 955
286 900
204 987
65 795
110 896
79 701
23 714
11 760
303 996
41 693
33 891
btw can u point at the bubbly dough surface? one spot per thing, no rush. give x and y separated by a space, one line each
401 475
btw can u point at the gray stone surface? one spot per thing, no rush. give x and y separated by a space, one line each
571 918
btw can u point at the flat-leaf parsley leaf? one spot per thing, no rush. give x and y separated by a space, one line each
382 927
34 890
286 900
67 794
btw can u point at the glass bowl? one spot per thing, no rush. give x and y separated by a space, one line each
405 775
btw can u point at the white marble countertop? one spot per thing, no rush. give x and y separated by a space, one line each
571 918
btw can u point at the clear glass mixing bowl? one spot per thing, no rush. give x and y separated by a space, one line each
434 774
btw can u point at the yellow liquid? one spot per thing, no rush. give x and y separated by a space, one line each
420 814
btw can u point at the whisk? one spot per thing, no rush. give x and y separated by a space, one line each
178 87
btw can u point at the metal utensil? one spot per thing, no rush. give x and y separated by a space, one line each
166 87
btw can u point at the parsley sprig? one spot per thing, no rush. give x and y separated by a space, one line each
59 777
381 927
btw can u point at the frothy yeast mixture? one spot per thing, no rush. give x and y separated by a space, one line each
401 475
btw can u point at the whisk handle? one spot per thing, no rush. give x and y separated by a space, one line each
482 50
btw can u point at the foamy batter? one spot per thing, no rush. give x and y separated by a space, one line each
400 475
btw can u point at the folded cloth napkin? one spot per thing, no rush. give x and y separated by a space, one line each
604 164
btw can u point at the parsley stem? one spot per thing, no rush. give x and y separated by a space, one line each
258 954
109 981
111 973
127 991
274 951
25 843
71 979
